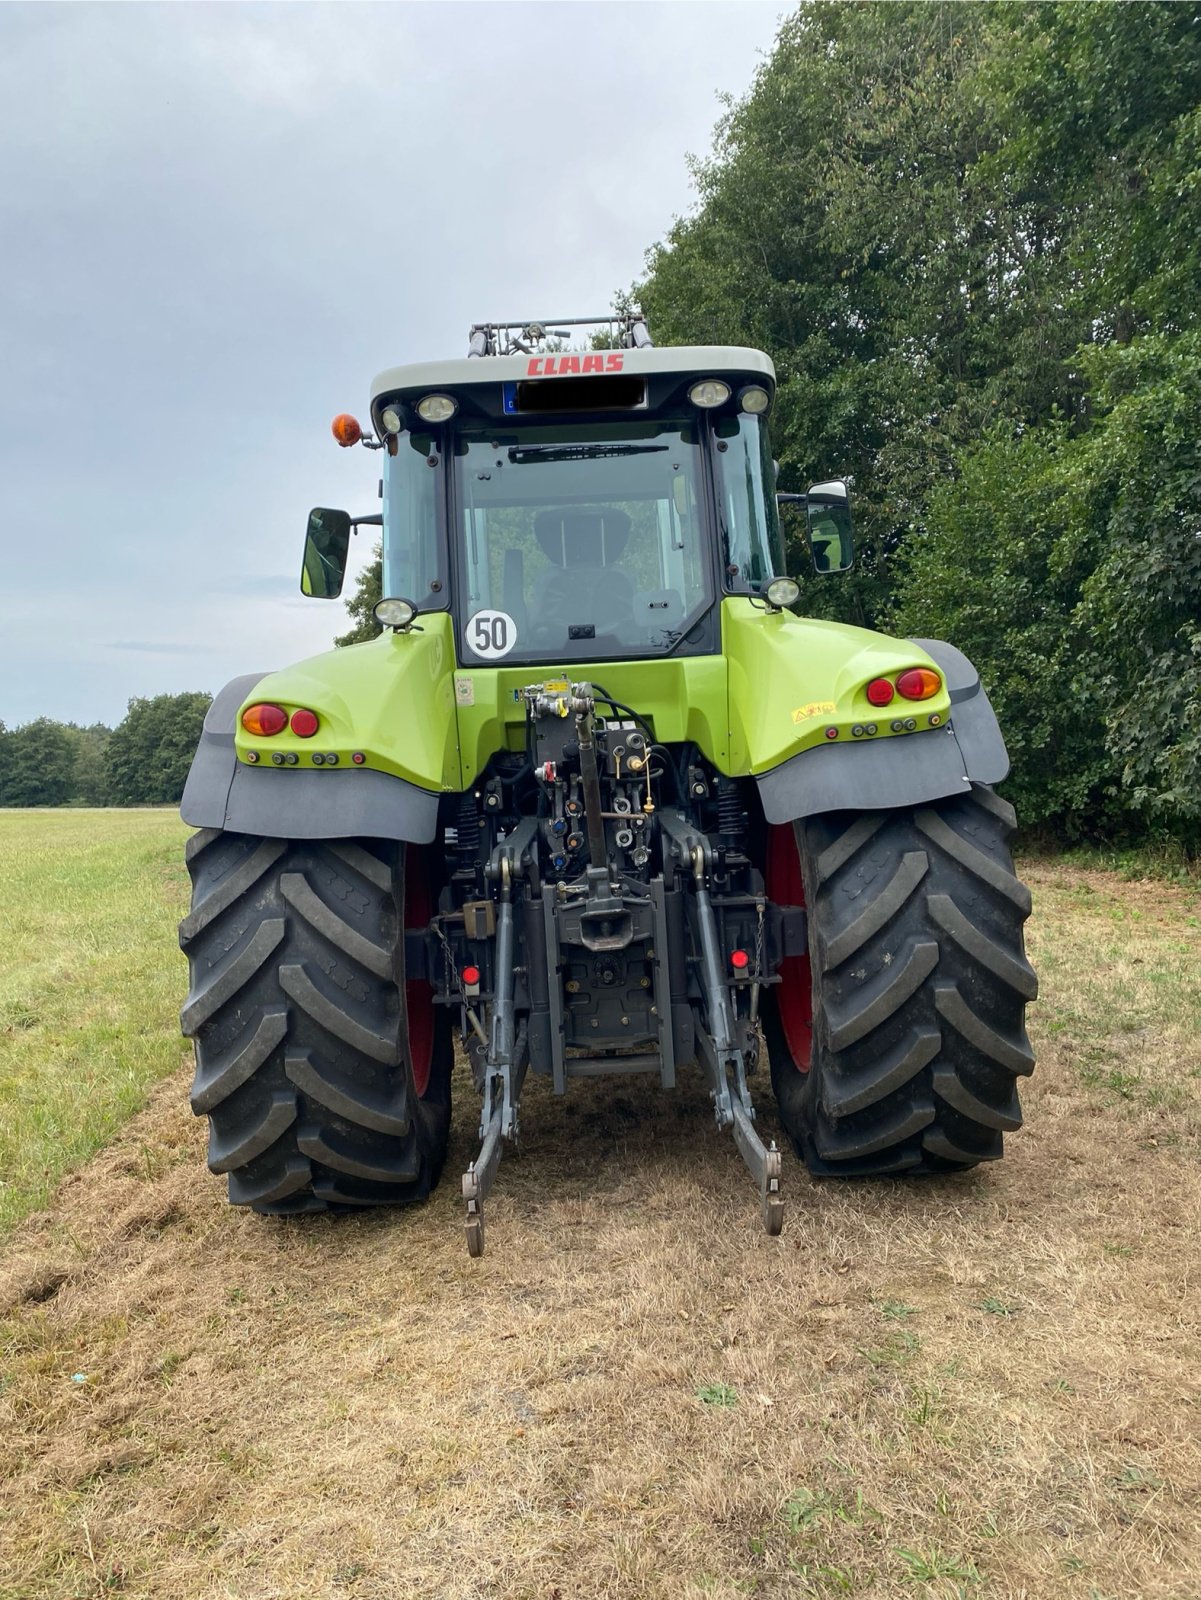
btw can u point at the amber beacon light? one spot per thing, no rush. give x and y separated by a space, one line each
346 429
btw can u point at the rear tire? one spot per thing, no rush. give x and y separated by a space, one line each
919 983
324 1075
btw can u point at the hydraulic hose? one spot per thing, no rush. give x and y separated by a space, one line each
590 782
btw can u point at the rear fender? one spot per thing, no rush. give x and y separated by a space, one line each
290 803
904 770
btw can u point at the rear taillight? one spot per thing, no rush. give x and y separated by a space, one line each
264 720
879 691
304 723
919 683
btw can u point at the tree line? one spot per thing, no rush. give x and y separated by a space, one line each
143 761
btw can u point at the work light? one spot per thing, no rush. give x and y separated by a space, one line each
708 393
436 408
394 613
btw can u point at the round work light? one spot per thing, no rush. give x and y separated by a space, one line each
783 592
755 400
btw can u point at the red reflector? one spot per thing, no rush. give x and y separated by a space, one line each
831 733
264 720
919 683
739 960
304 724
358 758
471 976
879 691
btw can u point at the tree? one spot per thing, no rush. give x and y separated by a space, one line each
38 765
1068 565
150 752
367 594
1140 610
88 746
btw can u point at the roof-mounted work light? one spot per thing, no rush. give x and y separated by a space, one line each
436 408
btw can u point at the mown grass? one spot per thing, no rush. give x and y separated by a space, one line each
983 1386
1120 967
90 984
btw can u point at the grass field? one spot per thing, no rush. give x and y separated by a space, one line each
980 1386
89 984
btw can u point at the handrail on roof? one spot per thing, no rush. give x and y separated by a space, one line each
627 329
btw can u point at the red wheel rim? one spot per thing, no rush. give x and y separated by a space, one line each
419 995
794 992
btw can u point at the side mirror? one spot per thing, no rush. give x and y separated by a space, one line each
828 514
326 544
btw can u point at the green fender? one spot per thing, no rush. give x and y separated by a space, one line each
798 695
390 701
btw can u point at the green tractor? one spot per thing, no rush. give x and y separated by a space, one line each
596 802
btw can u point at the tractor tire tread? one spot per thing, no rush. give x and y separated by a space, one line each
297 1009
920 983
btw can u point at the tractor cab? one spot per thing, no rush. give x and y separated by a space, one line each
584 506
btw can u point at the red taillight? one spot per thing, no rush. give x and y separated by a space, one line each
264 721
739 960
919 683
304 724
879 691
471 979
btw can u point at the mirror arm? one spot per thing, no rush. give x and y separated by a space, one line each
791 499
376 520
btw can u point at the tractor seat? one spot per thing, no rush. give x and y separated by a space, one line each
583 584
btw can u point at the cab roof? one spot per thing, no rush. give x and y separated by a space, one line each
469 371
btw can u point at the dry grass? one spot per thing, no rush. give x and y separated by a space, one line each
982 1386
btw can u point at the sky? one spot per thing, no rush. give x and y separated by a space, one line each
219 221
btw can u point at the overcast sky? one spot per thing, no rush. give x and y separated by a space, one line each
218 222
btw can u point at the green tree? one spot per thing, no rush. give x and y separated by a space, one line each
1139 620
368 591
38 765
1068 565
150 752
841 227
89 784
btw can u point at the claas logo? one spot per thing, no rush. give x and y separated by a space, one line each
561 366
